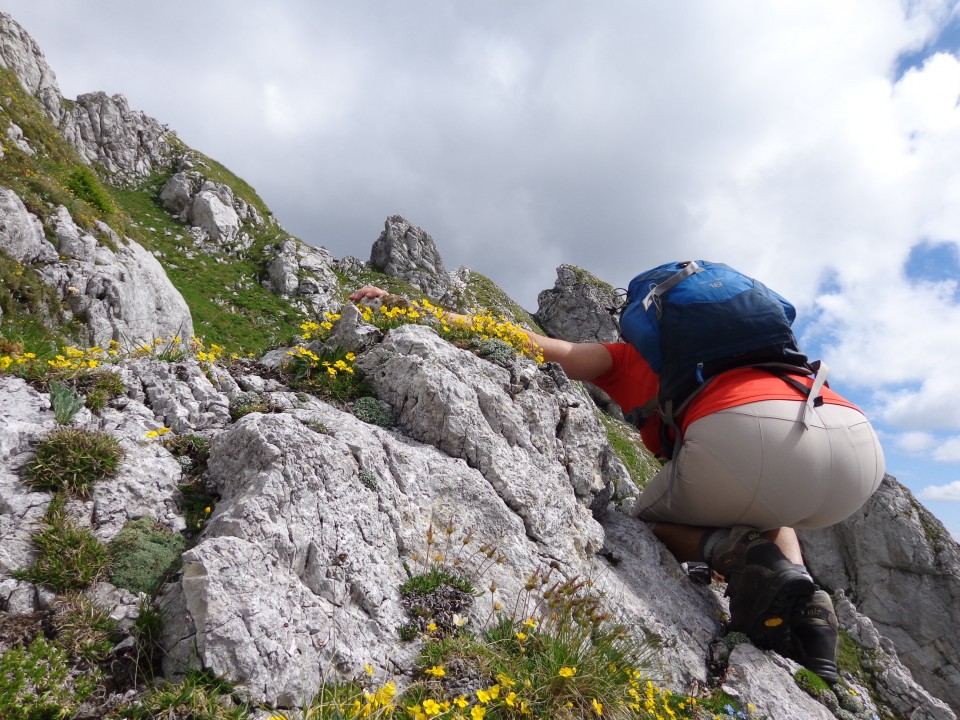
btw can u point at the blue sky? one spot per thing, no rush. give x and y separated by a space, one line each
814 145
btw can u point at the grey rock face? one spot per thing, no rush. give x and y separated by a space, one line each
305 271
20 53
902 569
405 251
128 143
214 213
123 295
21 232
15 135
893 682
576 308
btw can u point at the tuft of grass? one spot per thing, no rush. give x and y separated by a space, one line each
201 696
36 683
328 375
85 185
84 630
68 557
143 554
72 460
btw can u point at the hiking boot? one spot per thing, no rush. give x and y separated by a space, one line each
816 640
765 589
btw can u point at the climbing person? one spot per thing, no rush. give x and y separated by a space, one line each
753 442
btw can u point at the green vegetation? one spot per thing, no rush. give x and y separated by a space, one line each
72 460
143 555
66 402
248 402
626 443
86 187
68 557
36 683
373 411
199 697
81 628
810 682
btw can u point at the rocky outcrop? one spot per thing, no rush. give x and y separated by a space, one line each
130 144
898 563
21 232
215 215
405 251
20 53
577 307
113 285
305 272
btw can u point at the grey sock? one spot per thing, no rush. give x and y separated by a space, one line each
711 541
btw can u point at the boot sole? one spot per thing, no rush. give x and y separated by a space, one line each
786 593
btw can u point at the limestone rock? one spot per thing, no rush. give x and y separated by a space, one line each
576 309
405 251
123 294
21 232
903 569
301 270
15 135
177 193
891 681
212 211
130 144
20 53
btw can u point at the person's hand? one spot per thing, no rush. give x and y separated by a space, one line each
367 292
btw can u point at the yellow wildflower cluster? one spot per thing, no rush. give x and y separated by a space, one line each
480 324
319 330
72 359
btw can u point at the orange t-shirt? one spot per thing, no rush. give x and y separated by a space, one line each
632 383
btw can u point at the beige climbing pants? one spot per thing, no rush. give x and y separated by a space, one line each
759 465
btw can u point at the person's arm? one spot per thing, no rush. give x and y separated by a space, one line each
580 361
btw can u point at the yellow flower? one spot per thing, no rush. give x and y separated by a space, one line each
207 511
567 672
432 627
152 434
368 667
431 707
521 636
511 698
436 670
461 702
597 707
530 623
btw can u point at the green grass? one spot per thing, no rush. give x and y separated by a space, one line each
228 303
72 460
68 557
626 443
200 696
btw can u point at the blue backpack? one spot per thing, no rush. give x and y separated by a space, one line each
694 320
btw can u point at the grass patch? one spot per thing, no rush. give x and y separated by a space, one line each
36 683
628 446
86 186
68 557
201 696
84 630
143 554
72 460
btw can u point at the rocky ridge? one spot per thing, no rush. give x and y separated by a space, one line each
295 576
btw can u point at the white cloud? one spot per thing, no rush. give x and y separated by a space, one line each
948 451
949 492
915 442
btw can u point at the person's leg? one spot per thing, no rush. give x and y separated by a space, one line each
686 541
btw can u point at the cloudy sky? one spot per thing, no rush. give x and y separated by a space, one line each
815 145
